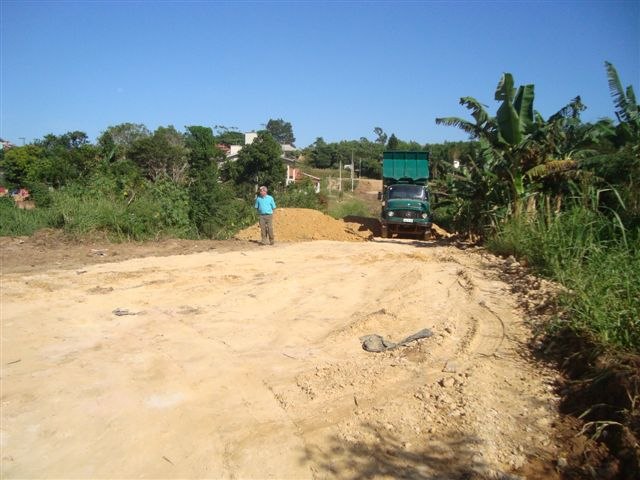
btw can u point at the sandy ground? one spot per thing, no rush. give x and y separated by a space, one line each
246 362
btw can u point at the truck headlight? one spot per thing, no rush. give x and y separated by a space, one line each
390 213
425 215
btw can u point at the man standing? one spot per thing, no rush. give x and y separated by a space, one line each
265 206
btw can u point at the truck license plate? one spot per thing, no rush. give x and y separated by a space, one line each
407 220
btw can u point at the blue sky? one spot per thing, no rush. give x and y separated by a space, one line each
333 69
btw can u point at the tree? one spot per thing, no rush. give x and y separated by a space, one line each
392 144
228 135
116 141
62 159
260 163
204 188
505 136
163 154
321 155
381 137
202 149
281 131
627 108
17 163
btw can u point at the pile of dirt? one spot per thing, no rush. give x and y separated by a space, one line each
302 224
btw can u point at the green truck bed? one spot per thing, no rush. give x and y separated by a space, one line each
405 167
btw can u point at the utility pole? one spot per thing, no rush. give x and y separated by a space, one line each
340 176
352 170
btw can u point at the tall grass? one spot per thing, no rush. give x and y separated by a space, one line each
15 222
348 207
598 261
154 213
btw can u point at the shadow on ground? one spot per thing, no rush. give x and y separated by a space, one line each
388 457
371 224
601 394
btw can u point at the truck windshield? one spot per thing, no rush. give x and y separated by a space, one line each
406 191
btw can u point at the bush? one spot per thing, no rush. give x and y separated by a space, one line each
229 216
300 195
585 251
155 210
39 193
17 222
349 208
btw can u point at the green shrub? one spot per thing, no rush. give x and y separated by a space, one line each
17 222
349 208
40 194
604 296
300 195
155 210
229 216
597 262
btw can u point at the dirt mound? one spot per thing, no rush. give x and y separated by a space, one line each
301 224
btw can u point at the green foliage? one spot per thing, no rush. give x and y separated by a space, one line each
203 174
54 160
515 115
65 158
203 153
471 198
157 210
171 207
228 135
281 131
582 249
301 195
17 222
366 155
260 164
18 162
226 214
393 142
381 137
39 193
349 207
204 197
116 141
161 155
627 108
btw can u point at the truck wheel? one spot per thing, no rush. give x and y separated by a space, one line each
427 234
385 232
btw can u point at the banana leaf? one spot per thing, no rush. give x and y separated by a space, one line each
523 104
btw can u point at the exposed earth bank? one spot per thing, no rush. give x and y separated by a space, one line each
231 360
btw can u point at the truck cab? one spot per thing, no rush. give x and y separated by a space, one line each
405 196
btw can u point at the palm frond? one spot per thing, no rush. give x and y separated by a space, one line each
462 124
631 98
478 111
617 92
570 110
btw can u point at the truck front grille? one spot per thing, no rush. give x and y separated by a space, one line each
407 214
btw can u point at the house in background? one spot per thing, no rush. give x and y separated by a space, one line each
296 175
5 144
232 151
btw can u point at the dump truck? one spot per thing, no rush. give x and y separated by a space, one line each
405 195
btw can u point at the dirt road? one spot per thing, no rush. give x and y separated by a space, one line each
247 363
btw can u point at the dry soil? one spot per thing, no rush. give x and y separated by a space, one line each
233 360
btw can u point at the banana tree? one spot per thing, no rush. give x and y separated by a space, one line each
627 108
516 122
505 136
